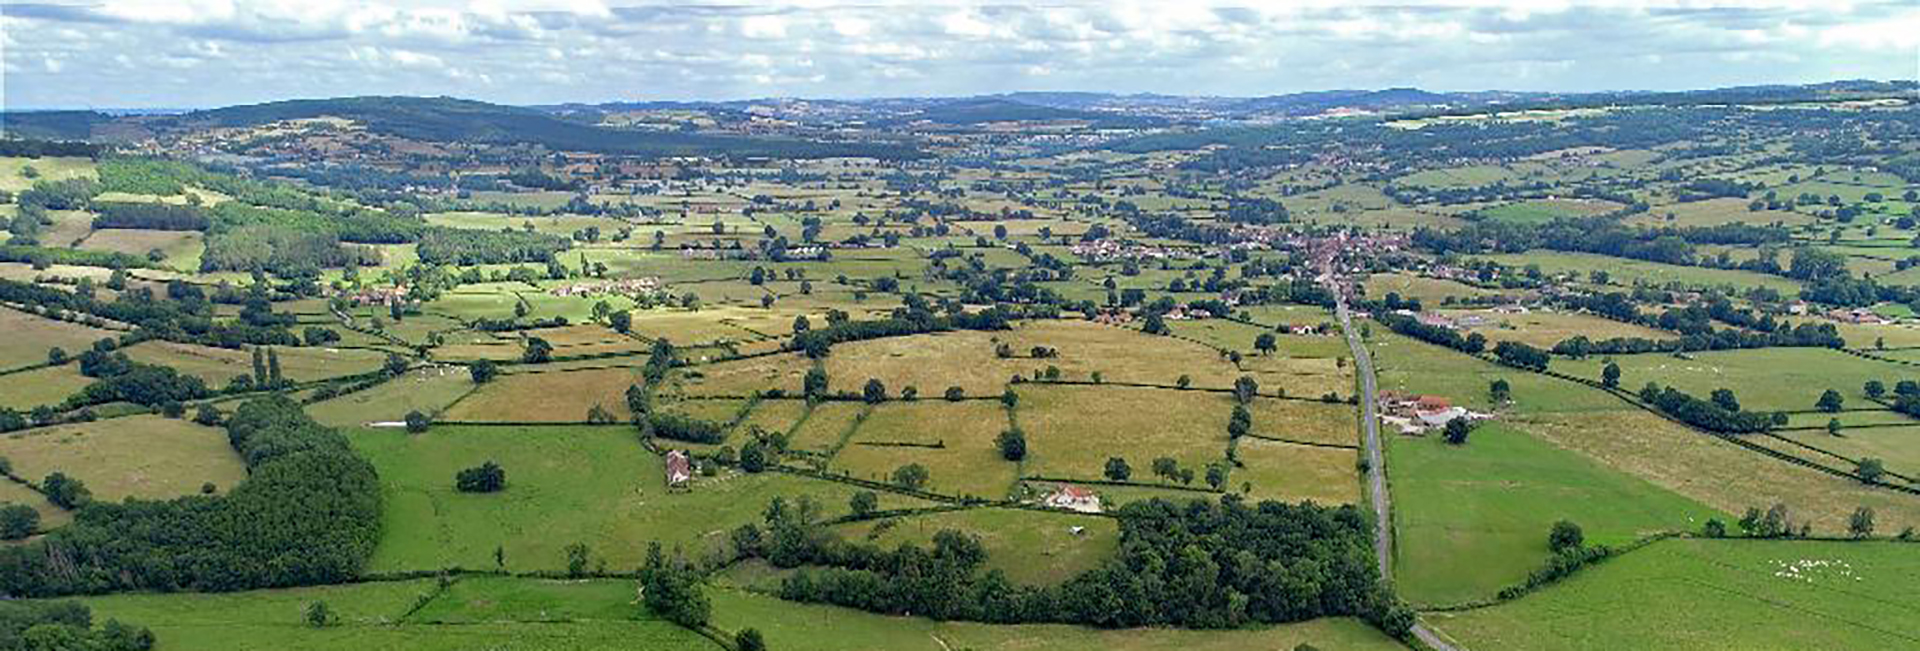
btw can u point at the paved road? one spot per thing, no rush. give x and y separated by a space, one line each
1376 463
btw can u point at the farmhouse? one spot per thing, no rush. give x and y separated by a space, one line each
1073 498
679 469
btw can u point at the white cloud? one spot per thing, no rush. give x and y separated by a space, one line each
538 51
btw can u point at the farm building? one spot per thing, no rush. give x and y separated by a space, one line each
1073 498
679 469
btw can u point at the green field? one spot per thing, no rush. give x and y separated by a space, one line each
1473 519
1716 594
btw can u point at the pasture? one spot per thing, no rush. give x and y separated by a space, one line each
1072 430
146 457
29 336
1030 547
1699 594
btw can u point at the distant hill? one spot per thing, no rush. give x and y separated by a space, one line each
977 111
1318 102
444 119
52 125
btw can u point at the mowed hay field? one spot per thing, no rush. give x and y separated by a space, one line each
29 336
969 464
1716 594
1286 472
42 386
552 397
427 390
1072 430
1031 547
565 484
517 614
1431 292
1299 420
805 627
1472 519
148 457
219 365
826 425
1543 329
1768 379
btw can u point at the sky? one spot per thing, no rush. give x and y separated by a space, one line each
204 53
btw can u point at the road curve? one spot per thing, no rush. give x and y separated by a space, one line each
1376 463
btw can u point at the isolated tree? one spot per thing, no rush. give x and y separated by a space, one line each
1830 401
1240 423
538 351
488 477
1012 444
1565 536
578 556
1499 391
1154 324
318 615
801 324
1245 389
64 491
622 321
1165 467
418 422
1714 528
483 371
1216 475
1870 469
863 503
955 394
1184 381
1265 343
1861 523
1117 469
1833 427
911 476
1610 376
1456 431
814 385
1749 522
17 521
748 639
1009 399
874 392
1874 389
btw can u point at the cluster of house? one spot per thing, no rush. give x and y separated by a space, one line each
1439 320
1858 316
617 286
1417 414
396 294
1111 249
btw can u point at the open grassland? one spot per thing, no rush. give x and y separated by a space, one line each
28 337
1764 379
1898 447
51 515
774 416
826 425
803 627
1313 422
1472 519
147 457
969 463
1030 547
1713 212
1716 594
1410 366
1536 211
1543 329
1626 271
1286 472
1072 430
426 390
1431 292
219 365
45 386
561 396
13 176
591 485
1718 473
506 614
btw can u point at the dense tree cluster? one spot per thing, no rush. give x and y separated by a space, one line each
64 626
1471 344
1721 415
150 215
905 321
308 513
1199 564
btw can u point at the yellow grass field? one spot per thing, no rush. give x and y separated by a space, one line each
29 336
148 457
548 397
1544 329
970 464
825 426
218 365
1306 421
1285 472
1072 430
